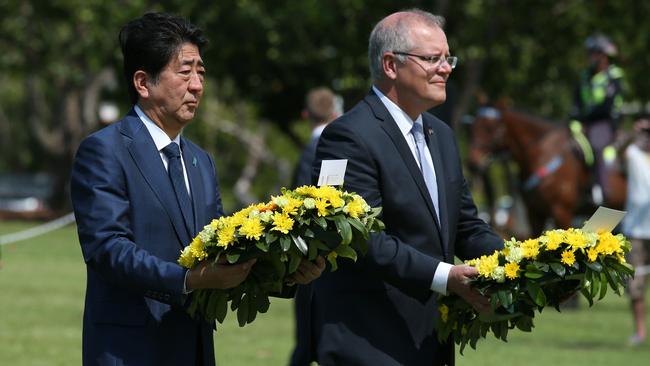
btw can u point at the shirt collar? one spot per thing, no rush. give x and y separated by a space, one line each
404 122
159 136
317 131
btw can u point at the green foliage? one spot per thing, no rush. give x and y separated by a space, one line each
265 55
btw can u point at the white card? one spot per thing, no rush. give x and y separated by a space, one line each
604 219
332 172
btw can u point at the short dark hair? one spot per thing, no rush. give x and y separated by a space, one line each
148 44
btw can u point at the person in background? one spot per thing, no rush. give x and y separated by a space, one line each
636 223
382 309
596 110
321 107
141 191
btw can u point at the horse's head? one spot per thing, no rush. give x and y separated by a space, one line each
487 138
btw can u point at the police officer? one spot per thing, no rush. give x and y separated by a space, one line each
597 106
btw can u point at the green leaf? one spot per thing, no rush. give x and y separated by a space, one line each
294 261
300 244
285 243
603 285
333 263
270 237
612 283
558 268
594 266
264 303
235 297
347 252
344 229
505 298
536 293
312 250
263 246
242 310
221 307
595 284
252 308
360 228
533 275
321 222
232 257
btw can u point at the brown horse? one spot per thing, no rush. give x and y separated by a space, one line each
554 181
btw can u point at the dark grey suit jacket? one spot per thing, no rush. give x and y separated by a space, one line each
380 310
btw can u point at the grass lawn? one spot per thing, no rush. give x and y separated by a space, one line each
41 304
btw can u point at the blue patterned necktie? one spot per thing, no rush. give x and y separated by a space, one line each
427 169
175 170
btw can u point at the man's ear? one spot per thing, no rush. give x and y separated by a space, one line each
141 83
389 65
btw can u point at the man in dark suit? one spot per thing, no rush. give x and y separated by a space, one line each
140 193
382 309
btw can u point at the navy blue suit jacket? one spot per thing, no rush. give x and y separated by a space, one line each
380 310
131 232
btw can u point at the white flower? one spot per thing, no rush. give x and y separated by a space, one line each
309 203
499 274
515 254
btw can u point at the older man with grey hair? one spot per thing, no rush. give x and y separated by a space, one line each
382 309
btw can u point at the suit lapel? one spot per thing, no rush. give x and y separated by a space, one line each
434 144
147 159
390 126
196 186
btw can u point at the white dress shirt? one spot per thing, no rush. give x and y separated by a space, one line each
161 140
405 124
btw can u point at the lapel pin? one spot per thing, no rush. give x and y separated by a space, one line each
430 131
194 161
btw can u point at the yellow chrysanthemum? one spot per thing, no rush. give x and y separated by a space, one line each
309 191
512 270
240 216
186 259
553 239
252 229
355 207
568 258
321 205
530 248
226 236
282 223
444 312
487 264
575 238
592 254
292 206
607 243
198 249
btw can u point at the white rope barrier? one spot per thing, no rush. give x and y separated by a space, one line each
37 230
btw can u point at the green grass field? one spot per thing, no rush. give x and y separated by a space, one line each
41 304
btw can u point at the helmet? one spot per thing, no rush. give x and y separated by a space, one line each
601 43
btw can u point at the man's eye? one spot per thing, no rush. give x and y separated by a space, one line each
434 59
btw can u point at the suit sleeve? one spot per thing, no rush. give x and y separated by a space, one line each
102 207
388 258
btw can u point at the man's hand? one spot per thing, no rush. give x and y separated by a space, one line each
220 275
458 283
307 271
